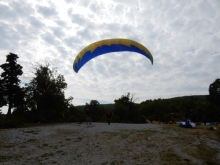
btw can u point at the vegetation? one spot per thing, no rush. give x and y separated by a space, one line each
10 91
43 100
125 110
45 97
98 111
74 114
179 109
214 92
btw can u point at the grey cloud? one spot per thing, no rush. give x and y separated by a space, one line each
60 23
15 11
23 28
9 37
111 29
49 38
100 67
60 63
36 22
24 9
215 40
86 34
77 18
94 7
208 8
27 32
47 12
58 32
68 1
6 12
73 42
62 50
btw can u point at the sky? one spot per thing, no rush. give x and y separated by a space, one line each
182 36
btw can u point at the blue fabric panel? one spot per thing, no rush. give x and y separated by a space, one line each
106 49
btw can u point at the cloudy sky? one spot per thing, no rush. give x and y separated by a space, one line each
183 37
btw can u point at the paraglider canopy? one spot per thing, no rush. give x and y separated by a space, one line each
107 46
187 124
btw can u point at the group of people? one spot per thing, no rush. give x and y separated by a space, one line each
89 116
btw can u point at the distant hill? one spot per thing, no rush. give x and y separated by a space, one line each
107 106
194 97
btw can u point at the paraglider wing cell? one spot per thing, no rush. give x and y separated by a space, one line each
109 46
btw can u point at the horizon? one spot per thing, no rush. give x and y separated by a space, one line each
6 108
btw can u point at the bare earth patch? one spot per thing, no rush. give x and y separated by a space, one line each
103 144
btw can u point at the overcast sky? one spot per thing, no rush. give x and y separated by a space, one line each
182 35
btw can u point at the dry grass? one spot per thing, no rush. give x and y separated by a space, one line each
198 131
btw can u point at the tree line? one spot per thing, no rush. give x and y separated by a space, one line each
43 100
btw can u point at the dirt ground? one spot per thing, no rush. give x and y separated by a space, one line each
103 144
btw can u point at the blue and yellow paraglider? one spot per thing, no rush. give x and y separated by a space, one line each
108 46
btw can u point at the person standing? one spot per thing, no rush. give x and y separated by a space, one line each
204 119
88 116
108 116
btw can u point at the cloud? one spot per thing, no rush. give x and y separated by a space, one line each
14 11
58 32
49 38
77 18
5 12
36 23
47 12
183 36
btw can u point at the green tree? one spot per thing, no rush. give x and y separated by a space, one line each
214 92
96 109
22 111
75 115
120 113
9 81
3 98
45 95
125 110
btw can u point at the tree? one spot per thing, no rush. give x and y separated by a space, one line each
3 98
126 110
75 115
45 95
21 110
9 81
214 92
94 106
96 110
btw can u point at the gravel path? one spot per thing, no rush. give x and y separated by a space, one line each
99 143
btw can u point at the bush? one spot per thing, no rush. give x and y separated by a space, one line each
73 119
2 117
12 122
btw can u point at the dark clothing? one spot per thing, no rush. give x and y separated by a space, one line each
204 120
88 116
108 120
109 116
88 113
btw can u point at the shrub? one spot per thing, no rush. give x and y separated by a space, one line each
73 119
12 122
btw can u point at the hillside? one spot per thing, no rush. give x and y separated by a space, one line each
194 97
107 106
